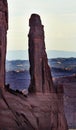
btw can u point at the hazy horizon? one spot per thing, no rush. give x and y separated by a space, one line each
23 54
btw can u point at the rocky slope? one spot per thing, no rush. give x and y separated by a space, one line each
35 112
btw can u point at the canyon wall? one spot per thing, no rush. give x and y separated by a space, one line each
3 39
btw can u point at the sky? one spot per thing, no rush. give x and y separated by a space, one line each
58 18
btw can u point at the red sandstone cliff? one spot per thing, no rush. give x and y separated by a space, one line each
39 111
3 38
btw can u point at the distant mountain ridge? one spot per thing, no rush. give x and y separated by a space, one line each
23 54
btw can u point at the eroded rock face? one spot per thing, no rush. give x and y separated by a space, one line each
37 112
3 38
41 80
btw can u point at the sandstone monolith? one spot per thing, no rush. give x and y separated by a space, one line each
41 80
3 39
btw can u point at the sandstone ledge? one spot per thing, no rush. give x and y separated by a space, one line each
35 112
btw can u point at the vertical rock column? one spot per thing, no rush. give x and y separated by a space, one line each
3 38
41 80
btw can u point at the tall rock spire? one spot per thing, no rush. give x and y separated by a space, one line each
41 80
3 38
